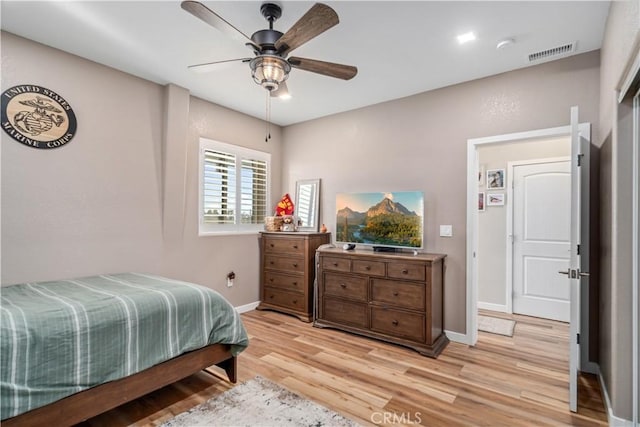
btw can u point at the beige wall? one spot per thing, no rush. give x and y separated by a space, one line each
91 206
208 259
122 195
492 223
620 45
420 142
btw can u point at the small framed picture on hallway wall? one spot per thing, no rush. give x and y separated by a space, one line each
495 199
495 179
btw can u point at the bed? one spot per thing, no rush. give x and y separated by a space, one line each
72 349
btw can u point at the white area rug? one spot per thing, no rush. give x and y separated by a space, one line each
259 402
495 325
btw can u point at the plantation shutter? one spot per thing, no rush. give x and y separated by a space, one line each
253 191
219 198
234 188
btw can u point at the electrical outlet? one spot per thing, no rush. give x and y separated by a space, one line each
230 277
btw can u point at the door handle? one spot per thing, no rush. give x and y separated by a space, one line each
574 274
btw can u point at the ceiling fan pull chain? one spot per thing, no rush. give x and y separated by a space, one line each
268 117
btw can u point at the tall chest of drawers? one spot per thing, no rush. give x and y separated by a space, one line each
392 297
287 271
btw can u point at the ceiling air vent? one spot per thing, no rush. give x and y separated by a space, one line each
553 52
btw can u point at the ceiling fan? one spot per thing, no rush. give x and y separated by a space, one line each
270 67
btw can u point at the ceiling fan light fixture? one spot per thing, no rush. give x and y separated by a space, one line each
269 71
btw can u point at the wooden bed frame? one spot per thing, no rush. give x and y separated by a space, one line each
94 401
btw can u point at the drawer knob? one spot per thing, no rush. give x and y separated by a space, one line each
271 262
295 264
271 279
295 246
335 264
295 283
395 323
271 296
343 286
271 245
295 301
367 268
405 271
395 293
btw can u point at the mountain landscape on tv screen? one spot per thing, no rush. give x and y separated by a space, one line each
385 223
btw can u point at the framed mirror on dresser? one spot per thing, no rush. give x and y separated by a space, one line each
307 203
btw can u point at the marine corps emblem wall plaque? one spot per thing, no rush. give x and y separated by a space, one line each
37 117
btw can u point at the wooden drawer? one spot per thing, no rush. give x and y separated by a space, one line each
284 281
289 245
283 298
336 264
372 268
407 270
282 263
399 294
345 286
398 323
344 312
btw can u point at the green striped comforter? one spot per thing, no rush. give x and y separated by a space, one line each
59 338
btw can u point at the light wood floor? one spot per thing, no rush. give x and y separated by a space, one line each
502 381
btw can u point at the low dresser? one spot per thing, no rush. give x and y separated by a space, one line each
395 297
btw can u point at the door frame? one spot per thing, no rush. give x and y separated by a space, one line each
510 218
635 351
630 87
471 336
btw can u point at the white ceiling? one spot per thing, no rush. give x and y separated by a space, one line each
400 48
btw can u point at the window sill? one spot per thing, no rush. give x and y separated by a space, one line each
227 233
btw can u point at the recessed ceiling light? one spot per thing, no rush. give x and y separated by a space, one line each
466 37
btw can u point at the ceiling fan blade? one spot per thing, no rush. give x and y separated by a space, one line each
281 92
331 69
208 66
316 21
202 12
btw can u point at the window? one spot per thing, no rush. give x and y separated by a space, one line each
234 188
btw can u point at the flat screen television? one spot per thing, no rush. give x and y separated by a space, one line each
381 220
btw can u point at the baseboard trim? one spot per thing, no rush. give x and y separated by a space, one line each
247 307
611 418
457 337
493 307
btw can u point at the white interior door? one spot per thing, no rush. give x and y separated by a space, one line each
574 274
541 234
